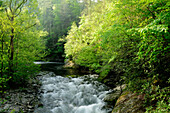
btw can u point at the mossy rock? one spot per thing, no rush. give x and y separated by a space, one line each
129 103
72 76
112 96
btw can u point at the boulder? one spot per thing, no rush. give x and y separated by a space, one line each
112 97
129 103
70 64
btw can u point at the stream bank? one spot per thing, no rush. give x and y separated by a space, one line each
23 99
121 100
30 99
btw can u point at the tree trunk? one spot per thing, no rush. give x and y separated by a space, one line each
12 50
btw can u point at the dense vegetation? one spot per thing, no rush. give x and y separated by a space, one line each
20 41
127 40
29 31
56 18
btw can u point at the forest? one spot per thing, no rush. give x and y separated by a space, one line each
124 41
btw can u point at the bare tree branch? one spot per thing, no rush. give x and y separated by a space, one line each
16 2
10 6
153 15
18 13
30 26
21 5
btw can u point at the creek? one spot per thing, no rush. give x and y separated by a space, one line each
61 94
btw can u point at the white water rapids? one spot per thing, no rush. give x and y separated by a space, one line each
71 95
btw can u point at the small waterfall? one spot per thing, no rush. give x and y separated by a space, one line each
71 95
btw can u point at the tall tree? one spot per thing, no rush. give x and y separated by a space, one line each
57 17
21 42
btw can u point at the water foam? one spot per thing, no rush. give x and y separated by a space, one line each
71 95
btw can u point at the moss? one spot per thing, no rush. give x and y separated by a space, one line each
123 97
72 76
128 103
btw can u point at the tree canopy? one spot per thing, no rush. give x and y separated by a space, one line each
56 18
20 41
125 40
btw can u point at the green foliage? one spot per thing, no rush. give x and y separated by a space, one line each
56 18
20 42
88 58
129 39
159 100
1 3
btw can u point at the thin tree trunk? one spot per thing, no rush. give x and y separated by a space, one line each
12 50
17 52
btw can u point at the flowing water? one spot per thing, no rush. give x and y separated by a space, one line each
71 95
57 68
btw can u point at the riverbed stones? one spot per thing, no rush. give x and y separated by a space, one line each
22 99
45 73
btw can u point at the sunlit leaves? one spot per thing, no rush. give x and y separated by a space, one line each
28 45
129 38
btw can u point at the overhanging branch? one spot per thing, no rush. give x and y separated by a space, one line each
29 27
20 5
7 14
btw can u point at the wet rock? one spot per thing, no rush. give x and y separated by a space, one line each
124 102
15 109
121 87
24 100
114 95
95 76
70 64
129 103
7 106
30 107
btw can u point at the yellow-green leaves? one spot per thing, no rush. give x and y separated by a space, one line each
126 37
20 41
